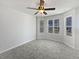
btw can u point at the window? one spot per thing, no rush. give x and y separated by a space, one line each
50 26
69 26
56 26
41 26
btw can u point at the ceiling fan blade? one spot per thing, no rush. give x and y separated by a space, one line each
36 13
32 8
45 13
49 8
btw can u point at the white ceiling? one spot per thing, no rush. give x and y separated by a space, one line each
60 5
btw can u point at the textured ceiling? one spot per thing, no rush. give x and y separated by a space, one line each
60 5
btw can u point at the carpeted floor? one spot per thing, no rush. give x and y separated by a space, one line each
41 49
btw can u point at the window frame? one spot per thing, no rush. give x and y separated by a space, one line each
69 26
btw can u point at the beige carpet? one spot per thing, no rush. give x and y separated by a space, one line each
41 49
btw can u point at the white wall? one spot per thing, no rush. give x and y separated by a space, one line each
77 29
62 37
45 34
16 28
69 40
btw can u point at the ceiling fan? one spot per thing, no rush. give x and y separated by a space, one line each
41 9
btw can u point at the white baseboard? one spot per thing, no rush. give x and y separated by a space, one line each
14 46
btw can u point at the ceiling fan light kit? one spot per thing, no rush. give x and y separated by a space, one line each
41 9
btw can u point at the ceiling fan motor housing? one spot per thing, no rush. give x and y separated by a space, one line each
41 8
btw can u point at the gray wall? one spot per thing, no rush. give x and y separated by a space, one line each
16 28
